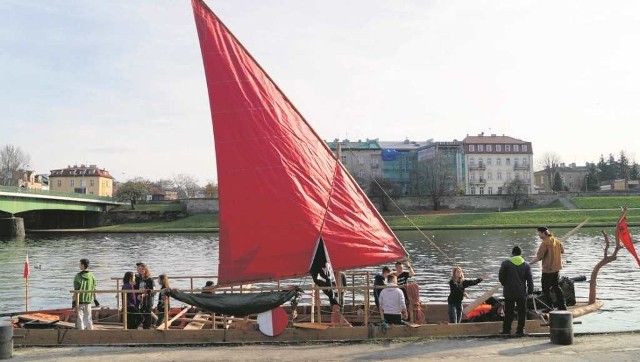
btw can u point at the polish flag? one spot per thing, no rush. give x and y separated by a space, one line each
25 274
273 322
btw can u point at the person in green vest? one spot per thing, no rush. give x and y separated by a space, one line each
84 280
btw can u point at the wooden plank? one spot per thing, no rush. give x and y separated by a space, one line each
182 312
198 321
308 325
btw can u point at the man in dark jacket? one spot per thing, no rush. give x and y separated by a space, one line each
515 276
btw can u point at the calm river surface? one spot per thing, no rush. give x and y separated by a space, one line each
54 262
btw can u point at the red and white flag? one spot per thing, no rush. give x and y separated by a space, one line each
625 238
25 274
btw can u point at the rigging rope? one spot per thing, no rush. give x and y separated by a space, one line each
433 243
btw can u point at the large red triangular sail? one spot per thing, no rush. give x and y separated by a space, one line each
281 189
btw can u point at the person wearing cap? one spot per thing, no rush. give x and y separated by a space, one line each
209 287
84 280
550 253
517 280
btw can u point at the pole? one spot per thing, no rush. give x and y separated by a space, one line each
26 294
166 312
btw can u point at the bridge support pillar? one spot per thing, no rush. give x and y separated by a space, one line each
12 227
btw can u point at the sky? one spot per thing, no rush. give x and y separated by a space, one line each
121 84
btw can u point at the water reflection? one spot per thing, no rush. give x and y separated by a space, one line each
54 262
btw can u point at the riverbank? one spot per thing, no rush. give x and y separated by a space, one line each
599 347
445 220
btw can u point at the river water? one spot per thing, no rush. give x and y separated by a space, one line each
54 262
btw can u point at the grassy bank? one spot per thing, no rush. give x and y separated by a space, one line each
203 222
606 202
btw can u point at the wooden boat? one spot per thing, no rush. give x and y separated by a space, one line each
288 209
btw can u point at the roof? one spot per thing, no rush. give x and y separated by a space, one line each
482 139
81 171
355 145
405 145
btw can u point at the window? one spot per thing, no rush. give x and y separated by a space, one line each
473 190
488 148
499 190
92 183
525 161
499 176
480 162
489 162
472 161
524 148
507 148
480 148
489 176
481 190
73 183
471 148
361 173
472 176
490 190
498 161
508 175
507 161
498 148
516 148
344 160
526 176
59 183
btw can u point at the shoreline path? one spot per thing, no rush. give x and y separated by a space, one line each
588 347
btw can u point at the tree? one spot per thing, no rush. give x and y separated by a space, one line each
593 184
383 190
634 173
187 185
12 159
211 189
550 164
436 178
557 182
133 191
516 191
624 169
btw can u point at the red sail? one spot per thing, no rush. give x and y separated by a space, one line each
281 189
625 238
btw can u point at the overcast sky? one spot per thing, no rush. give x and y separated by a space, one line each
120 83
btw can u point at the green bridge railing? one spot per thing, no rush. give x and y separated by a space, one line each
54 193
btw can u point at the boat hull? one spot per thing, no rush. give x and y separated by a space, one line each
113 335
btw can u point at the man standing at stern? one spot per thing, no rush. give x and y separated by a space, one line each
550 253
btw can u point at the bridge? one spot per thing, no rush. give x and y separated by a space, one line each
49 209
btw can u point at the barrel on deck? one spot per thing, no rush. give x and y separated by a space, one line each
6 339
561 327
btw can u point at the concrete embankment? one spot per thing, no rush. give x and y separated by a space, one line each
600 347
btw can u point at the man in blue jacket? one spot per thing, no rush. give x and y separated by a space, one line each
515 276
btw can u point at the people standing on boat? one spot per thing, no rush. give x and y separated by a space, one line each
380 280
403 278
163 297
145 298
392 303
550 253
84 280
457 286
133 321
325 279
208 288
517 280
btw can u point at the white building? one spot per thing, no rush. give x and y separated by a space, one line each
492 161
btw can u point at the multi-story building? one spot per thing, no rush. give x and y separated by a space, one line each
393 161
493 161
30 180
399 161
573 178
82 179
451 165
362 158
